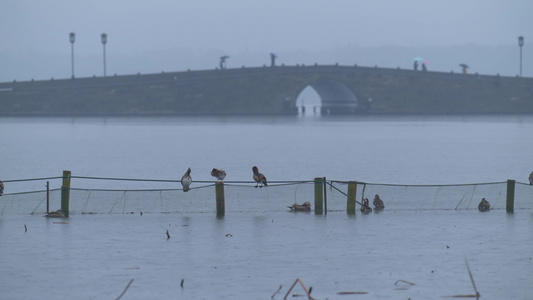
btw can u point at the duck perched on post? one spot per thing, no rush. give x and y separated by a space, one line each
306 206
186 180
378 203
484 205
219 174
365 208
259 178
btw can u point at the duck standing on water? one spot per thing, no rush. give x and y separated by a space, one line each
55 214
378 203
259 178
306 206
2 187
365 208
484 205
186 180
530 179
219 174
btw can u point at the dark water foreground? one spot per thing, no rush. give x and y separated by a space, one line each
248 256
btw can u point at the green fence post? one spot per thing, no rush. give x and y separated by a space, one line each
510 196
65 193
219 191
350 202
319 196
325 196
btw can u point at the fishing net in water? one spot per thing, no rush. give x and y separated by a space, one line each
445 197
88 197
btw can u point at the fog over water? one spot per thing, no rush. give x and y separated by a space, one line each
162 35
259 245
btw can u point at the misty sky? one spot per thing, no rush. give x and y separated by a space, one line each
152 36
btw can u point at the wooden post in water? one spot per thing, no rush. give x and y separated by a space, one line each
510 196
65 193
350 202
219 191
319 196
325 197
47 197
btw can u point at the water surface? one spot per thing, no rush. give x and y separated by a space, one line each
254 249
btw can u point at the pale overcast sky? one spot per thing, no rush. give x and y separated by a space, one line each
34 34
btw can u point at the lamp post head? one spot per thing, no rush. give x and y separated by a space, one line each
104 38
520 41
72 37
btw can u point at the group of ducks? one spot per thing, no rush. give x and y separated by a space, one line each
261 181
378 205
484 205
365 208
220 174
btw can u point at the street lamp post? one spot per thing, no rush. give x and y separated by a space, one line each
520 43
72 40
104 41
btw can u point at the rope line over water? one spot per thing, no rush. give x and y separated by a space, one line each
420 185
33 179
177 180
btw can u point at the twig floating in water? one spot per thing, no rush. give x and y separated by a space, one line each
168 235
123 292
477 295
181 284
303 286
279 289
25 228
471 278
401 280
352 293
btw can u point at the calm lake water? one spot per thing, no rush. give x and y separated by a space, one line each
249 253
403 150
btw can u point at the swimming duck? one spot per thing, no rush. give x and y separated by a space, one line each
186 180
219 174
55 214
530 179
378 203
259 178
2 187
365 208
484 205
306 206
